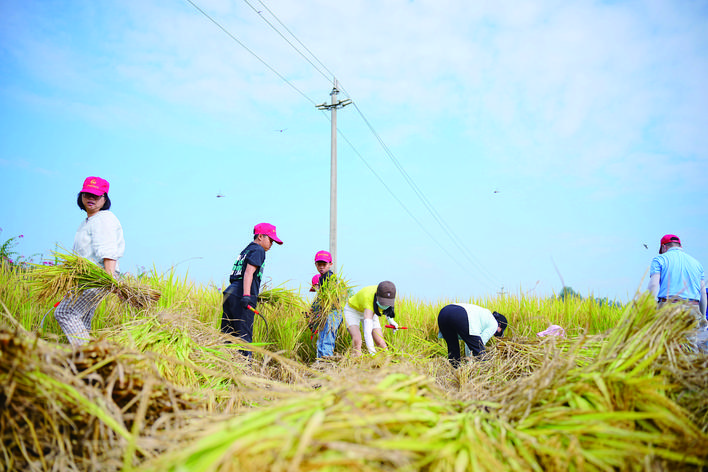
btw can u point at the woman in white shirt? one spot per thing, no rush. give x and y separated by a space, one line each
99 239
473 324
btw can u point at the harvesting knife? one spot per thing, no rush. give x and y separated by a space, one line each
257 313
393 327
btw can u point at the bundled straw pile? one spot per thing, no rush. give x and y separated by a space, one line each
73 273
635 398
92 409
618 411
331 296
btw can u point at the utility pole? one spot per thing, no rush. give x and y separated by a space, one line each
333 169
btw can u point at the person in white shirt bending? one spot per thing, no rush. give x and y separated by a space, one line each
473 324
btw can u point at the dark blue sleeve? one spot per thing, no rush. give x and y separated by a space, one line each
256 257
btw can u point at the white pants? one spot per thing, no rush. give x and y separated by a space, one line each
355 318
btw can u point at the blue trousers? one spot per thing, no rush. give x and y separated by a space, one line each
453 324
237 321
328 335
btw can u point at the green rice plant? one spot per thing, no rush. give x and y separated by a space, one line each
178 293
15 293
283 326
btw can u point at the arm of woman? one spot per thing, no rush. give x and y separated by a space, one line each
110 266
107 240
368 330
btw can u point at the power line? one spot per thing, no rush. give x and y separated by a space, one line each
431 209
287 40
436 216
251 52
330 78
421 225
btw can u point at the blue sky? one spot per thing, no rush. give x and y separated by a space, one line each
543 134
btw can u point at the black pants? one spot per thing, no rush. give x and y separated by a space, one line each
237 320
452 322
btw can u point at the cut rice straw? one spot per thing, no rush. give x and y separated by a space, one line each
73 274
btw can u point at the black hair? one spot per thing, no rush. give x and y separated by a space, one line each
502 322
387 312
106 204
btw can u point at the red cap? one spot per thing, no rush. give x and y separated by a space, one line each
315 281
267 229
323 256
95 186
670 238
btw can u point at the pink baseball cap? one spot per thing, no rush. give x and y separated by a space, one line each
323 256
267 229
670 238
95 186
315 281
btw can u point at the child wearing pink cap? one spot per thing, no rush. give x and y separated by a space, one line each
245 284
100 240
327 335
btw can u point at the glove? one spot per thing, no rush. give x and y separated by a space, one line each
248 300
393 323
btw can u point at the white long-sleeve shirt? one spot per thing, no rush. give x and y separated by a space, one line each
100 237
482 322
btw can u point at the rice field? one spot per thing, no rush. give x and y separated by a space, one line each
160 388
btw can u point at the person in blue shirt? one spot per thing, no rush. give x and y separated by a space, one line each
245 279
677 278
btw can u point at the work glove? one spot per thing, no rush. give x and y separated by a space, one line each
248 300
393 323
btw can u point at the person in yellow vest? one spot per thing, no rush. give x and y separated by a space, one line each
362 306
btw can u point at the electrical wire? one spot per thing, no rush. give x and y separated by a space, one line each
436 216
329 77
431 209
262 61
418 222
429 206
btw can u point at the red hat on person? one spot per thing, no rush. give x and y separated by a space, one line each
95 186
670 238
323 256
315 281
267 229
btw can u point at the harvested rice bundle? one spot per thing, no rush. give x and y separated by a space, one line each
350 427
573 412
98 407
282 298
332 295
73 274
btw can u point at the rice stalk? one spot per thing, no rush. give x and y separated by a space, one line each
331 296
72 274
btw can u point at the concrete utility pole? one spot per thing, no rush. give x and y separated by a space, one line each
333 170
